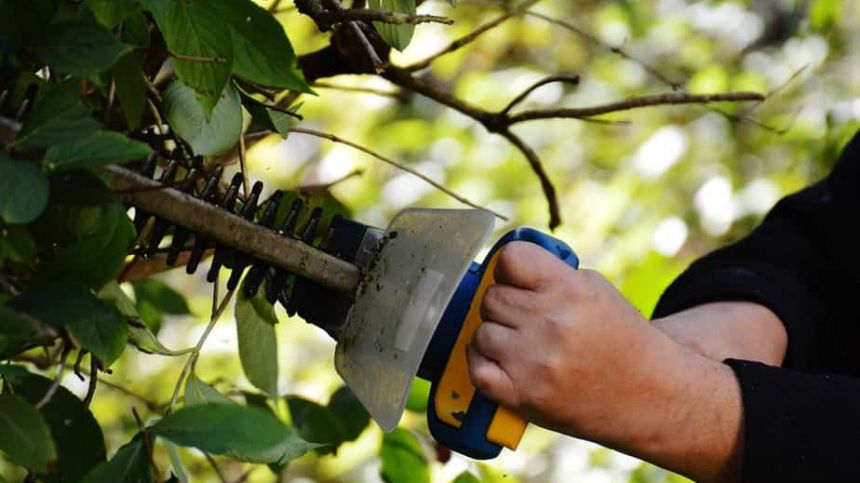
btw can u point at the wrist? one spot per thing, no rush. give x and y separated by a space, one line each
685 415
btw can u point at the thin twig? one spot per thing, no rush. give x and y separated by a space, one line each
492 122
242 166
77 365
566 79
674 85
378 64
192 359
633 103
147 441
196 58
274 6
215 467
471 36
365 90
91 387
311 188
64 356
382 16
110 100
545 182
425 178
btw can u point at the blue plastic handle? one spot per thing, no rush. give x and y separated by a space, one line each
470 438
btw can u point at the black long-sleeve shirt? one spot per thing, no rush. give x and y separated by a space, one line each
801 421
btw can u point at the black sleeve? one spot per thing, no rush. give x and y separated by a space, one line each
801 422
798 427
803 263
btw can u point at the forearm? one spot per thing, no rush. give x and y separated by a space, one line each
729 330
685 414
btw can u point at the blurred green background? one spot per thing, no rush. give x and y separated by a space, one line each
640 199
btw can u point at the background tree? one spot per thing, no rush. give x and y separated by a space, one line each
544 111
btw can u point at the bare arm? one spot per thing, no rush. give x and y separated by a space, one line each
723 330
568 352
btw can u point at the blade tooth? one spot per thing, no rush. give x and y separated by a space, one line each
292 217
228 203
177 245
210 195
258 271
242 260
200 247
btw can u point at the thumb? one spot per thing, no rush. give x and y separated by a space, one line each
491 379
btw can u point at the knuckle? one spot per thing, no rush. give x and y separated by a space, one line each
508 263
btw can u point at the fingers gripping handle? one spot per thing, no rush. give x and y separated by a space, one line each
459 417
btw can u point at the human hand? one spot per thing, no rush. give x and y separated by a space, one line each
564 349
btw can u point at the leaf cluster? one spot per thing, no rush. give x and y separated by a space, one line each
86 84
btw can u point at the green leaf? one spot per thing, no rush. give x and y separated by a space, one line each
179 472
215 135
395 35
13 373
96 256
139 334
76 434
95 324
57 117
267 117
155 298
111 12
130 464
316 423
161 296
198 392
17 245
249 434
19 331
403 458
350 411
23 190
144 339
258 346
79 48
24 435
192 28
466 477
130 87
262 52
98 149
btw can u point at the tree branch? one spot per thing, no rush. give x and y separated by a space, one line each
423 177
591 38
384 16
471 36
633 103
574 80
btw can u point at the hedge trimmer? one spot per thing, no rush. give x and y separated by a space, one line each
400 302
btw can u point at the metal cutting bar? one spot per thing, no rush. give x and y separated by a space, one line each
212 222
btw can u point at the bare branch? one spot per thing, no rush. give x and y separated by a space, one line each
64 357
91 385
574 80
425 178
192 359
365 90
545 183
634 103
378 64
313 188
591 38
384 16
493 122
471 36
